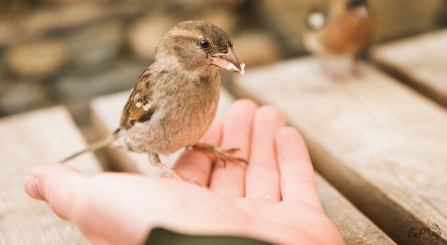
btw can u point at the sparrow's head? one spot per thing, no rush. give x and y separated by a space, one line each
356 3
198 45
358 9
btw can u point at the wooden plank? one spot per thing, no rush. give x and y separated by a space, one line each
353 225
378 142
28 140
420 61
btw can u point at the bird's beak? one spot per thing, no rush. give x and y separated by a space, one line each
228 61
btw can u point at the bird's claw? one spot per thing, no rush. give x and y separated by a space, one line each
222 155
231 150
179 177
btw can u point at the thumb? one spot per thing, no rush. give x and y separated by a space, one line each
56 184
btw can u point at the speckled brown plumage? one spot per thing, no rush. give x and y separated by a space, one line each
341 29
175 99
346 30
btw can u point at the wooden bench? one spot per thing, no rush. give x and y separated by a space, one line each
353 225
381 144
28 140
419 61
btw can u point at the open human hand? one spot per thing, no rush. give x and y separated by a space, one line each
274 198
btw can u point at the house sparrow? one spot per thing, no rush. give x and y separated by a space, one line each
175 99
338 32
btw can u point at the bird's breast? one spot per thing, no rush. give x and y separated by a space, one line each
180 119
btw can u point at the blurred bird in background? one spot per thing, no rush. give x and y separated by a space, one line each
337 32
175 99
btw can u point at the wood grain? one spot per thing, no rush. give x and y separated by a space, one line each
353 225
378 142
28 140
420 61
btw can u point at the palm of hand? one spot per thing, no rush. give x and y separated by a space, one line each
274 198
278 188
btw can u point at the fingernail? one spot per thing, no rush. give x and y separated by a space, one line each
32 188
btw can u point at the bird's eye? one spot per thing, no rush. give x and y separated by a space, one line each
204 43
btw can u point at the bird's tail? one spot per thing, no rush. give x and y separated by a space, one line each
95 145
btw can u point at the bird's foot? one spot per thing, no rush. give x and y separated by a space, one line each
172 174
223 155
168 172
356 69
333 77
327 70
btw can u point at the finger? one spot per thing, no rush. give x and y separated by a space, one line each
55 184
197 165
297 174
229 180
262 178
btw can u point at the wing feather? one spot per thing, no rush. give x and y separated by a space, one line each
139 107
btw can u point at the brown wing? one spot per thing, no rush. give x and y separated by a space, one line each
139 107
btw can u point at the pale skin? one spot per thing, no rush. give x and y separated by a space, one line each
274 198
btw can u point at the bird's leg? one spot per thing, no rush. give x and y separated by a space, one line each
326 67
223 155
168 172
356 68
